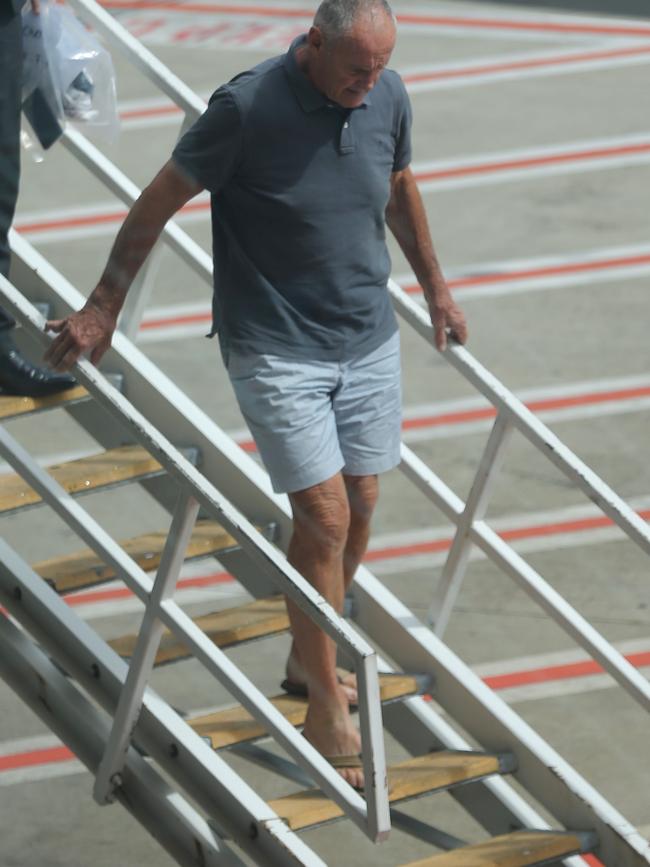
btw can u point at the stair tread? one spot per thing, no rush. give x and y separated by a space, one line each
519 849
84 568
230 626
16 405
85 474
415 776
235 725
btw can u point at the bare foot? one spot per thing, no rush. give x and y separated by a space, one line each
330 730
347 679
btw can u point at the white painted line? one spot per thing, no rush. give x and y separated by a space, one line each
482 280
33 759
462 416
405 550
517 23
38 773
526 163
459 173
521 66
159 111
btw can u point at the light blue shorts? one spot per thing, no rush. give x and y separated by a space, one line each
311 419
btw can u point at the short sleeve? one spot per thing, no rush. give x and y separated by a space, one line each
404 116
210 149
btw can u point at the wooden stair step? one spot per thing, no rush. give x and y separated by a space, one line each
12 406
415 776
235 725
84 568
519 849
126 463
257 619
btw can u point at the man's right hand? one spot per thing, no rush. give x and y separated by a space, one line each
87 332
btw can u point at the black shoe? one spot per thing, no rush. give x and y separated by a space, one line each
20 377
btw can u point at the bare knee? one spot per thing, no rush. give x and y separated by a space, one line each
321 515
362 492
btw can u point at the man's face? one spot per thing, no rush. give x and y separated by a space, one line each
346 69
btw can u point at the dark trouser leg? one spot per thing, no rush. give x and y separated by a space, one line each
11 56
17 375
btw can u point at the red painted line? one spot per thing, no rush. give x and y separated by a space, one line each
585 668
445 74
153 111
531 162
428 20
35 757
592 861
454 283
535 531
533 63
438 174
533 405
166 322
94 219
547 674
94 596
547 271
531 532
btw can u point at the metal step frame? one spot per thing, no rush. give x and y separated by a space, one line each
391 625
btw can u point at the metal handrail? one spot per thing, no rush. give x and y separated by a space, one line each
371 815
471 529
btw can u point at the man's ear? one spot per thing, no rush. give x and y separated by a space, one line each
315 38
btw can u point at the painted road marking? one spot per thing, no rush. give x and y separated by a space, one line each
531 678
463 416
159 111
590 155
423 79
464 172
519 25
389 553
486 280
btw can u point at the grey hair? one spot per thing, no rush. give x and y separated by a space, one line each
335 18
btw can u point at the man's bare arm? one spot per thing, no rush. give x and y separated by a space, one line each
90 329
407 220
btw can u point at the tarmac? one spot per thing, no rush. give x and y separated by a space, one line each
532 150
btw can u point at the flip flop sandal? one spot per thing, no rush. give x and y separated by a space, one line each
354 760
300 689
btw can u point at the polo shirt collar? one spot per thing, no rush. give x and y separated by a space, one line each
309 98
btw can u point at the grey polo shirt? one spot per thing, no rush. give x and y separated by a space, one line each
299 189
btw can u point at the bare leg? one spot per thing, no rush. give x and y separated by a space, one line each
321 523
361 493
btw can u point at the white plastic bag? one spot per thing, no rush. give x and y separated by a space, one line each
67 75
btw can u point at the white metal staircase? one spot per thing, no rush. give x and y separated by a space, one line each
169 771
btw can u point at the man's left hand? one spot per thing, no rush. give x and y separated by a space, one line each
447 317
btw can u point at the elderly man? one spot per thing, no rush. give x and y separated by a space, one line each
307 159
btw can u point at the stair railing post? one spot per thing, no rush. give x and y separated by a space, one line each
453 572
142 662
374 757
